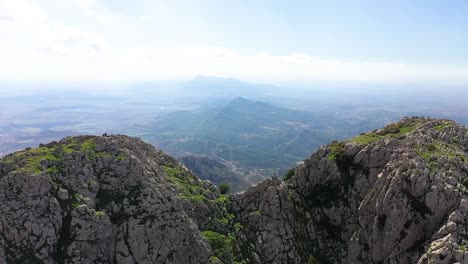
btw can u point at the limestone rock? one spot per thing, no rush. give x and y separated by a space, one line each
395 195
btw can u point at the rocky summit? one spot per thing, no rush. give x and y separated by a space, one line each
394 195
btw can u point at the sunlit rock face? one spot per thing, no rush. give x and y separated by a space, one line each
395 195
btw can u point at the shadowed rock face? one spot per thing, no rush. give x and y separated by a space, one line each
396 195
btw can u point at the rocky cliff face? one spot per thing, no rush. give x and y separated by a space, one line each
396 195
101 200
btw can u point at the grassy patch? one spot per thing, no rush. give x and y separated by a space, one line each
38 160
222 245
52 170
70 145
463 246
443 126
88 146
31 160
188 188
390 131
365 139
336 150
100 213
89 149
222 200
430 152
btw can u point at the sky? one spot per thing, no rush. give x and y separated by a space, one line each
376 41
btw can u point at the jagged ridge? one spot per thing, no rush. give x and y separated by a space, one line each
395 195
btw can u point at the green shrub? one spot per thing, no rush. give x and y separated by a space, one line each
221 244
224 188
336 150
391 129
289 174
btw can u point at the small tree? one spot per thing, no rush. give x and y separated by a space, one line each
224 188
289 174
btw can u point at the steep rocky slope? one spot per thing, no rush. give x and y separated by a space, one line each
103 200
396 195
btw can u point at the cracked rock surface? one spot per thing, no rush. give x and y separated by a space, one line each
95 200
395 195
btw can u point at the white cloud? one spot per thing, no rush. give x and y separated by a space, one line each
35 47
92 9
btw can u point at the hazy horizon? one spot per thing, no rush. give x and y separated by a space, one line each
275 42
94 66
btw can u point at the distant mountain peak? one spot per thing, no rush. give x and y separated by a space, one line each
241 100
244 102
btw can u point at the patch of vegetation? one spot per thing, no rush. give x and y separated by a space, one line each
188 188
463 246
430 152
100 213
343 162
69 145
443 125
390 131
215 260
290 196
45 158
222 200
465 182
224 188
77 200
88 147
221 244
120 156
289 174
31 160
336 150
226 220
365 139
52 170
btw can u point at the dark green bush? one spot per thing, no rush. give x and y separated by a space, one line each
289 174
224 188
